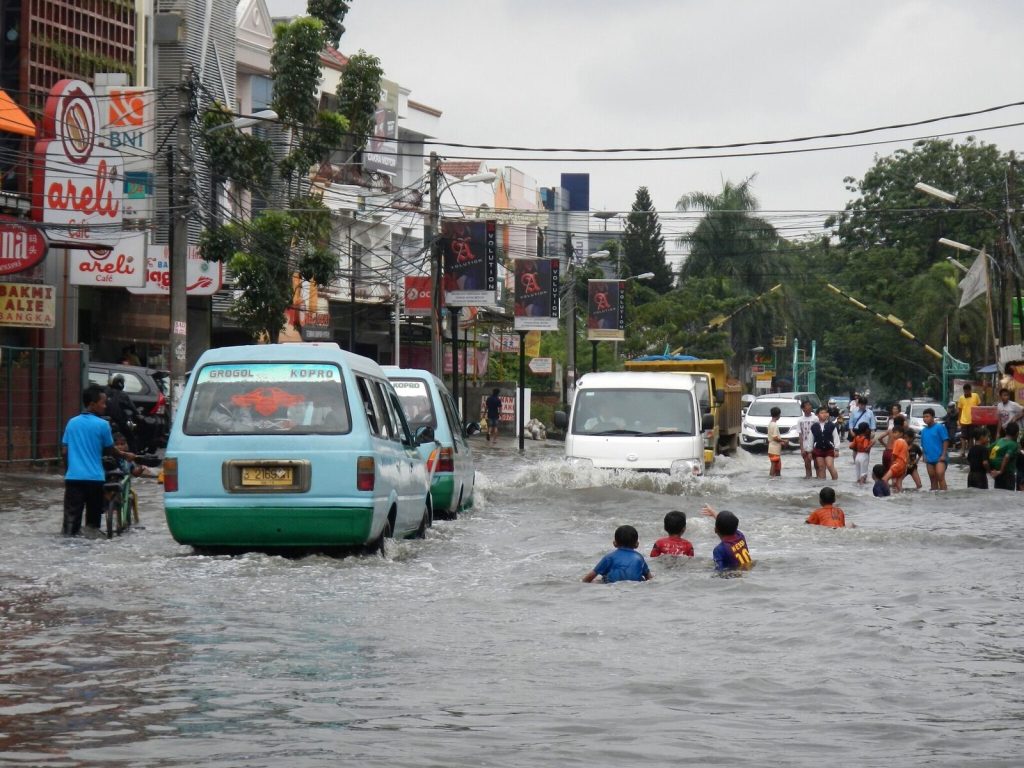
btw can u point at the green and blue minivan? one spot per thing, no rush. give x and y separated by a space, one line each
443 438
292 447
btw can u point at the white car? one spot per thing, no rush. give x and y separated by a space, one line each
915 415
758 416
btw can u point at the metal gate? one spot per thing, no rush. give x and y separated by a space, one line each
40 389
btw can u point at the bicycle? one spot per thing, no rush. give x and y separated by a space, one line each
120 502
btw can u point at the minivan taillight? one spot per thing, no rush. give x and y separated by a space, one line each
446 461
160 407
170 469
366 473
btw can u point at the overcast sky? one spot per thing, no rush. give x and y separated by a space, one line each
659 73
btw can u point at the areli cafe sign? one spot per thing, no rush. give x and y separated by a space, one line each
79 182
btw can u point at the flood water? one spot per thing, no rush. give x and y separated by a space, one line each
896 643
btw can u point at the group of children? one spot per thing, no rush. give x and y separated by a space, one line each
624 563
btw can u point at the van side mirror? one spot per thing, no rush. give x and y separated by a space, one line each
472 428
424 434
561 419
707 421
719 396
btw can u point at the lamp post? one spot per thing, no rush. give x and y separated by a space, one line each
1002 260
430 237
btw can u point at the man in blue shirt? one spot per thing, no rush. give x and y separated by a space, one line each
861 415
86 438
623 563
935 446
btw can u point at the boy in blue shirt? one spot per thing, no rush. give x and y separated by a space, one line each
935 445
86 438
624 563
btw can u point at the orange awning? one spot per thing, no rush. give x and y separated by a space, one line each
13 119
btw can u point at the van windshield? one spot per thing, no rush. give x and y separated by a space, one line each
268 398
415 397
641 412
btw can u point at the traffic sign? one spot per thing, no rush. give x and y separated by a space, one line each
542 366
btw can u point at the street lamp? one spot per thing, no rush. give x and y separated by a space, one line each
928 189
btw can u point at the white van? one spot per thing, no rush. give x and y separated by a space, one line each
636 420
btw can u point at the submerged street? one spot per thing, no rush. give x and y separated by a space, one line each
894 643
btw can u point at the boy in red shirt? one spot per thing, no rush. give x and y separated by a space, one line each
827 514
674 543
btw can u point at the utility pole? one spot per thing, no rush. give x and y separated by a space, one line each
180 200
570 348
430 241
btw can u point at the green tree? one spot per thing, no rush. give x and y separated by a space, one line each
293 235
643 246
358 94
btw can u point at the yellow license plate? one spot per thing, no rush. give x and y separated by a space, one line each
268 477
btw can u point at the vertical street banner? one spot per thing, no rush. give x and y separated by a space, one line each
606 310
537 288
470 252
417 295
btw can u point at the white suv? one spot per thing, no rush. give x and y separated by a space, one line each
755 422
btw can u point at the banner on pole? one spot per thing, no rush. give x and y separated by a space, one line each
470 250
537 289
606 310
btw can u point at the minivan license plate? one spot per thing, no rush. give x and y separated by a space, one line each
267 477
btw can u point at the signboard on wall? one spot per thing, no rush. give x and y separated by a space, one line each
127 116
203 278
21 246
78 183
27 305
122 266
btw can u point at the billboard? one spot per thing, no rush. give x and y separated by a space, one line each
78 183
121 266
606 310
470 253
28 305
537 292
203 278
381 152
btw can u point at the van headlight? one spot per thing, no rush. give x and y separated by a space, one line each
579 463
687 467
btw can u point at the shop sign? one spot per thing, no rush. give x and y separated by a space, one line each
542 366
21 246
78 182
128 114
122 266
504 342
202 278
27 305
417 295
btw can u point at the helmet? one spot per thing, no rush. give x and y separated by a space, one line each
117 382
831 402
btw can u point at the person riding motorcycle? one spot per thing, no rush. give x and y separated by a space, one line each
122 412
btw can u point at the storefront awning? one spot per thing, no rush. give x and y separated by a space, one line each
13 119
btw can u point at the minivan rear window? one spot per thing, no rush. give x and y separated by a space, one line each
268 398
416 402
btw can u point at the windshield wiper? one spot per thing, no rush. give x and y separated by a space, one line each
659 432
615 432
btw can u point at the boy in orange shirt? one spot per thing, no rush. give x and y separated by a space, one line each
900 458
827 514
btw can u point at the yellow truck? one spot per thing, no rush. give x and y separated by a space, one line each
720 395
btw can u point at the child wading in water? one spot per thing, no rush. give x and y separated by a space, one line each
900 459
977 460
880 488
861 446
827 514
775 444
624 563
732 553
674 543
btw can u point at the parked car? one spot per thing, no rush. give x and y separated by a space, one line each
292 447
915 409
428 405
758 416
800 397
148 390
